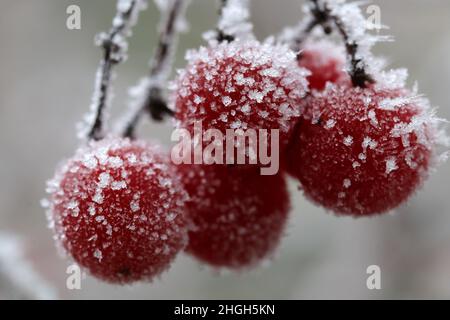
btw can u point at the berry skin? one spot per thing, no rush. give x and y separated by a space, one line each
362 151
117 210
240 85
238 216
326 62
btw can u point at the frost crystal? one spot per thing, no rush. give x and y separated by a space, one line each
391 165
348 141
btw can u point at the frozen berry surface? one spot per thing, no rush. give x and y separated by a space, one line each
240 86
326 62
362 151
238 216
117 209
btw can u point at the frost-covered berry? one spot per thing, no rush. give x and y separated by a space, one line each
326 62
238 216
362 151
240 85
118 211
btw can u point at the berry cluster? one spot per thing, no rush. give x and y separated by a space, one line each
358 142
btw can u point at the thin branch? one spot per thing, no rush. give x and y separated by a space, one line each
221 34
114 48
358 73
321 15
18 277
318 18
234 21
151 99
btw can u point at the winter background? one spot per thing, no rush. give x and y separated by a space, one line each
46 81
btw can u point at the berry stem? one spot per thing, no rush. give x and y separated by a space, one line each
154 102
359 76
221 34
322 16
318 18
233 21
114 52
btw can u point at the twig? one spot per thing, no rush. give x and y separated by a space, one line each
150 96
114 51
221 35
18 278
321 15
358 73
234 21
318 18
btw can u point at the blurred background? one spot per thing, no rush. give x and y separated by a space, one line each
46 80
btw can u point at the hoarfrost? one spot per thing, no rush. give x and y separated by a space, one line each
347 183
98 254
330 124
234 20
126 17
391 165
348 141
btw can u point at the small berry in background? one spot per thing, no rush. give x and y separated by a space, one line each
238 216
326 61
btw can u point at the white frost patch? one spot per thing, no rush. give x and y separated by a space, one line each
347 183
104 179
118 185
98 254
115 162
330 124
98 198
348 141
235 19
369 142
356 164
72 205
373 118
245 108
171 216
134 205
226 101
391 165
392 104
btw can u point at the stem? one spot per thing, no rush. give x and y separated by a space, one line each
358 73
321 15
318 18
18 277
154 102
114 52
221 34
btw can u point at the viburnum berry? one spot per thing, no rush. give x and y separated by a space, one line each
238 216
362 151
240 85
326 62
118 211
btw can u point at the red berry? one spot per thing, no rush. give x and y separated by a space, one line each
362 151
117 210
238 215
326 62
240 85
